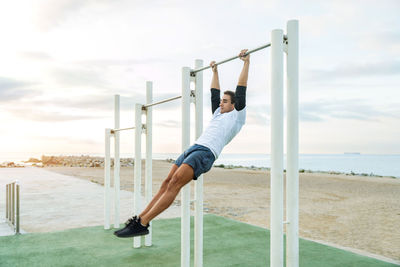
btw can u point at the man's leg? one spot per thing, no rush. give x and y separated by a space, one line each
183 175
161 191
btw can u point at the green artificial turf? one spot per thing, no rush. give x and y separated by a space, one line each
226 243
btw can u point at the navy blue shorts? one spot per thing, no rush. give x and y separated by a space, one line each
199 157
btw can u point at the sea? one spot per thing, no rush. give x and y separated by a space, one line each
367 164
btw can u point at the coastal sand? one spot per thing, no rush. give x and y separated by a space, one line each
350 211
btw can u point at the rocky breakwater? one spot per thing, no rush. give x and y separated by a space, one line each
66 161
11 164
81 161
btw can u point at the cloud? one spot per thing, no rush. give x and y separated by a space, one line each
258 114
51 13
106 74
8 83
84 102
382 40
78 76
388 36
11 89
125 62
367 69
345 109
35 55
68 139
53 109
94 102
14 94
49 116
310 116
169 124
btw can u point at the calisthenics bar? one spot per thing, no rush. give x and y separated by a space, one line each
204 68
279 44
162 101
144 107
121 129
229 59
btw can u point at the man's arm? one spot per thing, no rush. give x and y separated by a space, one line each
240 94
245 70
215 88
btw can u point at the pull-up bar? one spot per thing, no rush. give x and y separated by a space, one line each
160 102
121 129
192 72
229 59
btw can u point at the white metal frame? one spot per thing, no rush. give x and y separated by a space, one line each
279 44
188 97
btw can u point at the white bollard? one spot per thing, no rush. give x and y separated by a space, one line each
17 206
13 203
185 192
149 155
276 255
138 168
116 161
107 189
7 202
198 223
292 174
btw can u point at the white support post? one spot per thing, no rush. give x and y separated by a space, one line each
185 192
276 245
292 174
138 168
116 161
149 155
198 223
107 169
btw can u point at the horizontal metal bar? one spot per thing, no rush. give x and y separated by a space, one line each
232 58
160 102
121 129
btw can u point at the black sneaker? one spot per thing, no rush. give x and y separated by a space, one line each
134 229
128 222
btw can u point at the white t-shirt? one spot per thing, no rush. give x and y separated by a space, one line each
221 129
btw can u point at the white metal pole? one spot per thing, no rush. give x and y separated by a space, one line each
107 167
138 168
198 223
185 192
276 255
292 174
149 154
116 161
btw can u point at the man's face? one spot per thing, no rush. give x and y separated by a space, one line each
225 104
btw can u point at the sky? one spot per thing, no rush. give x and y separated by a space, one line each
62 62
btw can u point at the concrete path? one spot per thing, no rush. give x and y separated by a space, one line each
5 229
52 202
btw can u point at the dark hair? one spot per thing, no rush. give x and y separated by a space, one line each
231 94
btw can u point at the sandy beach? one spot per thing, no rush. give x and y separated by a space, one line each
350 211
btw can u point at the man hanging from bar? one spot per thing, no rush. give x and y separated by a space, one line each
229 115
